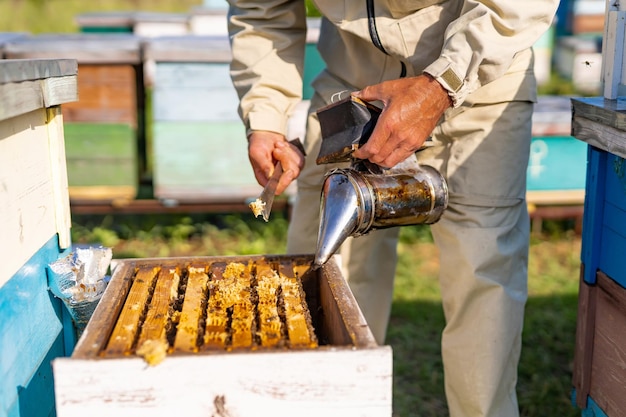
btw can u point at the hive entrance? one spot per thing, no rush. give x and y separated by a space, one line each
213 306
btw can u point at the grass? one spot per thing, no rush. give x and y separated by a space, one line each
417 318
46 16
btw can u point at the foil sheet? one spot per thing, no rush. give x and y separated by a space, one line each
79 280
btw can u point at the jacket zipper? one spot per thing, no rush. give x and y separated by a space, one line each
371 25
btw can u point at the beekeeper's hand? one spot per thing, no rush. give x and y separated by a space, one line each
265 149
412 108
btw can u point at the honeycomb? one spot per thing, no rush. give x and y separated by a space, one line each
214 307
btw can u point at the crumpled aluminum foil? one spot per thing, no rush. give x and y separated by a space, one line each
79 279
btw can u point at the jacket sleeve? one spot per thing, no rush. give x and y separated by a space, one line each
481 44
267 41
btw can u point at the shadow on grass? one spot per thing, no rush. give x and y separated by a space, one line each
545 370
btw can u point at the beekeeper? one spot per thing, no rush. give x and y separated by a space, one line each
458 71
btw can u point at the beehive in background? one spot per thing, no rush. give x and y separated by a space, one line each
199 148
104 129
6 37
272 337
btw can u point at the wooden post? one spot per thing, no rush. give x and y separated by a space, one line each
613 70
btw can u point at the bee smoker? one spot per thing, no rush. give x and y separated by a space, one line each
365 196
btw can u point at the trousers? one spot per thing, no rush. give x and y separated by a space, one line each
483 238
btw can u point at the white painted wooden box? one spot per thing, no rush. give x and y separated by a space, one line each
344 374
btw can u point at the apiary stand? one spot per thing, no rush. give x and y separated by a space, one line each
346 375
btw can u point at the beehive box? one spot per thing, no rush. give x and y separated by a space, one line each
262 353
34 230
199 148
104 129
598 374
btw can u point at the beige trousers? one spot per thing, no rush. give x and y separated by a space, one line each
483 239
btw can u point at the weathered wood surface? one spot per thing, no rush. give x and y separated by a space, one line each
339 382
601 123
188 49
583 352
613 52
108 93
165 292
195 294
14 71
28 201
58 175
608 369
26 86
86 48
123 337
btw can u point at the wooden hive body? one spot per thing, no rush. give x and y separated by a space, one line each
339 370
34 229
598 376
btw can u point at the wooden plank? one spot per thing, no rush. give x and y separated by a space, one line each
585 330
600 136
108 93
98 331
609 357
593 212
161 307
615 180
27 203
187 335
197 48
613 52
342 382
113 198
26 96
16 71
58 173
344 323
600 123
611 251
126 329
87 49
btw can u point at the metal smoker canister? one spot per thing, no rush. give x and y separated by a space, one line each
354 202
